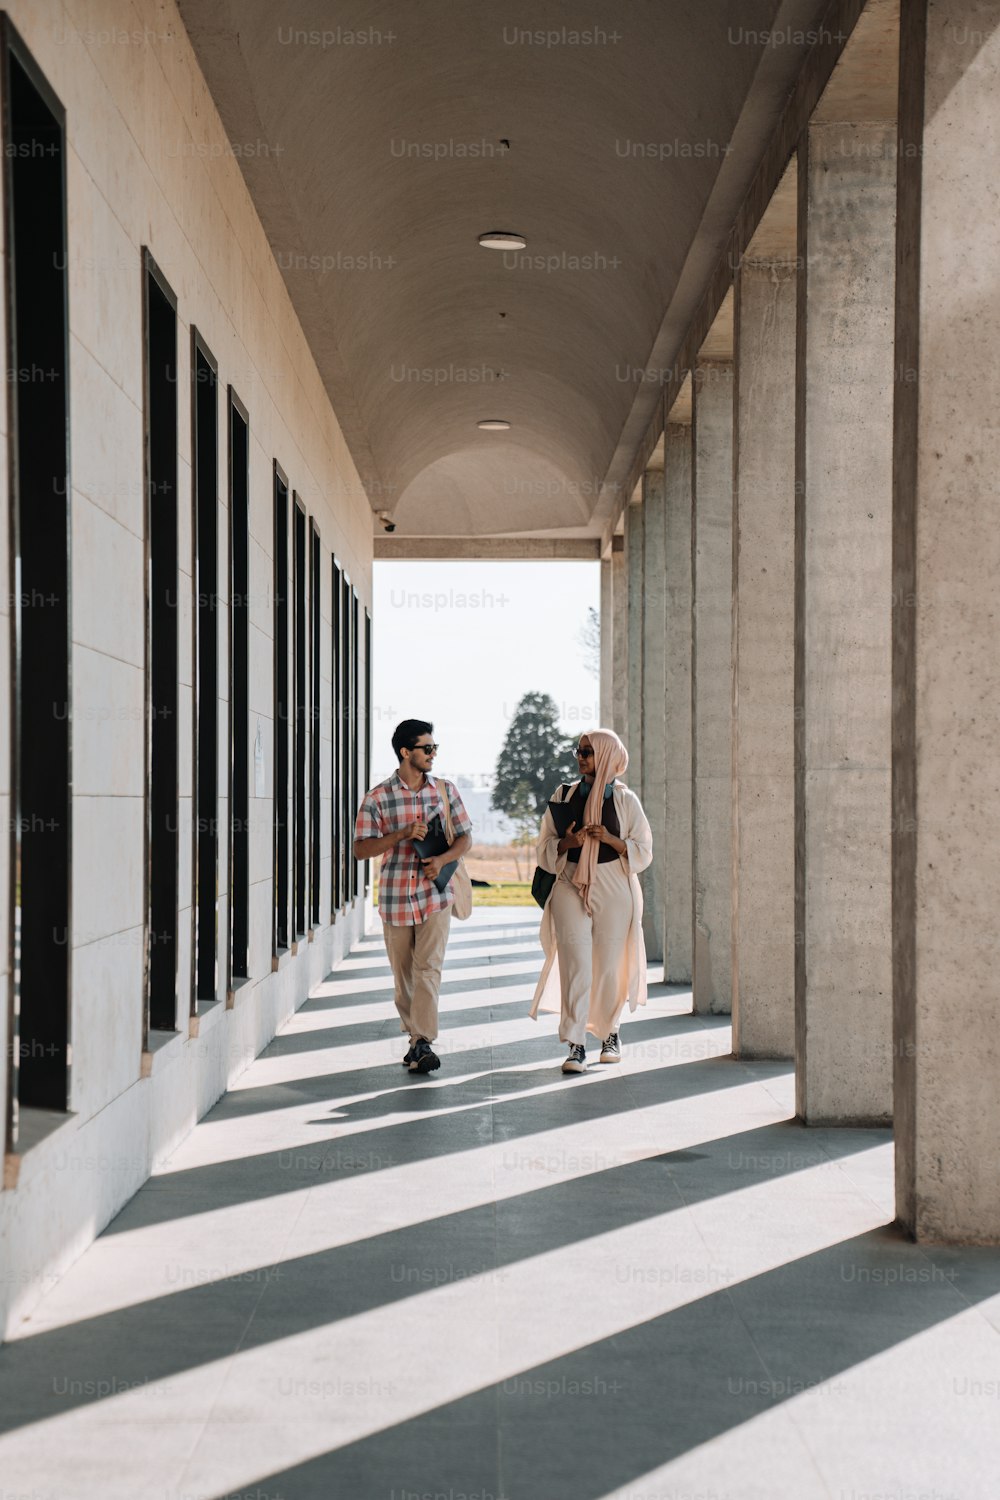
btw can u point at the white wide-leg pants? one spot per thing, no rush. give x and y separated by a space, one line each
593 964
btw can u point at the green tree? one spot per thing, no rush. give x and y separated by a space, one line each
525 817
536 755
589 636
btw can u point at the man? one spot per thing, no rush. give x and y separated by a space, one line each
415 915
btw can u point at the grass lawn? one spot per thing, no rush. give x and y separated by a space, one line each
500 893
504 893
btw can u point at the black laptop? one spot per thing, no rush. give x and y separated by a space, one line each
435 841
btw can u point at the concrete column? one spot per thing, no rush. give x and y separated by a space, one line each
678 900
711 685
843 981
607 642
653 705
946 666
632 732
763 662
619 642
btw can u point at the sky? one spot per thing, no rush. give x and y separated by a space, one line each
459 643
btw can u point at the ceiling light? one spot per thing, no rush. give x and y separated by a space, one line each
502 239
493 424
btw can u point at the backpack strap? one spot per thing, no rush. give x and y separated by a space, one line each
449 826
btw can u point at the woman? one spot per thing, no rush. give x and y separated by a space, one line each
595 957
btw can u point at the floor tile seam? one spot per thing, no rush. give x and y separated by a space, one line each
290 1232
199 1436
630 1078
185 1461
496 1250
766 1086
485 1071
844 1168
802 1432
926 1253
779 1405
782 1406
689 1205
788 1410
238 1348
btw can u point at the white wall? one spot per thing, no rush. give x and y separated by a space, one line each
148 163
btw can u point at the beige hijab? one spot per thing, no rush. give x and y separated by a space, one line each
610 760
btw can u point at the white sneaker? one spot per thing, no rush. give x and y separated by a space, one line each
577 1060
611 1049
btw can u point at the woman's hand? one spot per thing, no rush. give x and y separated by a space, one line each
570 840
599 832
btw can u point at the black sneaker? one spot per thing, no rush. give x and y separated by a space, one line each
611 1049
423 1058
408 1058
577 1060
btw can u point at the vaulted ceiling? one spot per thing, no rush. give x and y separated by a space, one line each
619 138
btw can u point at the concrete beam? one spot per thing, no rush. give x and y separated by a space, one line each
487 548
699 297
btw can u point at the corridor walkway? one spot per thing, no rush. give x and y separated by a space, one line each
646 1282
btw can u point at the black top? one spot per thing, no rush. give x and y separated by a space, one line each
609 818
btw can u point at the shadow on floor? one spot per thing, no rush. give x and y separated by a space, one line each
181 1329
479 1116
583 1426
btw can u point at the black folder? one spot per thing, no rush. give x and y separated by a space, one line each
435 841
563 815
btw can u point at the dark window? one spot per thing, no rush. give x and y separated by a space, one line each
239 688
347 736
337 832
205 620
368 724
162 766
300 721
38 451
281 787
316 703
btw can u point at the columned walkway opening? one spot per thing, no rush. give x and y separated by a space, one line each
705 299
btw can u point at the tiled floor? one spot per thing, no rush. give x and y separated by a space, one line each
354 1284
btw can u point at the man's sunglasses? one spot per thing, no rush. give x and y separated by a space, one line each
430 749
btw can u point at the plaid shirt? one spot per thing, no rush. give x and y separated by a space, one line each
405 895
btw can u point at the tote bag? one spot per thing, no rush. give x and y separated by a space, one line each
461 883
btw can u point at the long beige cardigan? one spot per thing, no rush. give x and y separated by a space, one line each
636 833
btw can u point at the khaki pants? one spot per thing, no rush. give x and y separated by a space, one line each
593 964
416 955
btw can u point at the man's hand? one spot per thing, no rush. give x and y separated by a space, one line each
374 847
432 867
